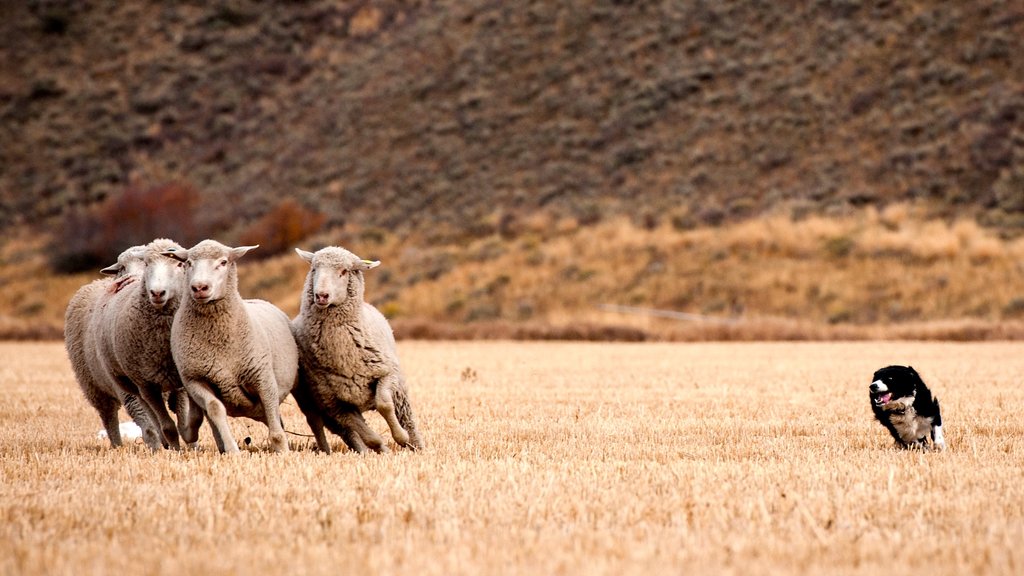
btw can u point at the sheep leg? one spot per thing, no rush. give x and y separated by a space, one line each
142 416
217 438
352 439
108 407
312 414
268 393
386 406
216 413
404 413
357 435
195 420
316 424
347 422
153 395
190 417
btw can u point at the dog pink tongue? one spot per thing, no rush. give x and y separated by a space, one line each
885 398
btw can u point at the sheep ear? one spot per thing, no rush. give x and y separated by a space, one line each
237 253
367 264
112 270
179 255
307 256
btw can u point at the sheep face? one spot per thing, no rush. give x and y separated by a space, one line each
164 275
332 270
210 271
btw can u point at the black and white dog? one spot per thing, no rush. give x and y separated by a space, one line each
905 406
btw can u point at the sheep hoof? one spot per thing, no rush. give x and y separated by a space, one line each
278 443
400 436
152 439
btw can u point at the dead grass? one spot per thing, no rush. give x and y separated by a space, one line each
546 458
892 274
871 270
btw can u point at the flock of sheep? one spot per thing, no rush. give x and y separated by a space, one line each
169 329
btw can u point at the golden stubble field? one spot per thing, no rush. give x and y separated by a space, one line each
546 458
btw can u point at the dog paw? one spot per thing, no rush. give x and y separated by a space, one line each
938 442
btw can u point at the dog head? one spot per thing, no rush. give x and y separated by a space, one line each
893 383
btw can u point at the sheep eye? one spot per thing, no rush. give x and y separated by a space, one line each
181 264
343 272
224 262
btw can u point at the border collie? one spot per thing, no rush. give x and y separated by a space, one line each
905 406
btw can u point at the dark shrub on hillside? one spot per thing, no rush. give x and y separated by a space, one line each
91 238
282 228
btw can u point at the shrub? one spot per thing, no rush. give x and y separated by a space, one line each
90 238
282 228
839 246
1014 308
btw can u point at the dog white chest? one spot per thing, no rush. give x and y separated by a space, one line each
909 425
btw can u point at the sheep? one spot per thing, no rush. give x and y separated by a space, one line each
347 356
132 346
99 392
235 357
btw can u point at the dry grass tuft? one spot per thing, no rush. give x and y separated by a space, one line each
546 458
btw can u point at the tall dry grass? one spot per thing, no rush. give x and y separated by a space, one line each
546 458
871 269
874 274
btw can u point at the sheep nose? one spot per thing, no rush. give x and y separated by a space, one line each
200 288
322 296
157 294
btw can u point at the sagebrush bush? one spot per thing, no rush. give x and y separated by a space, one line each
282 228
89 238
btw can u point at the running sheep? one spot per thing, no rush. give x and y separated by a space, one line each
348 357
100 392
131 335
235 357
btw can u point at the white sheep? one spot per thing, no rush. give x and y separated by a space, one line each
133 342
133 350
236 357
100 392
348 356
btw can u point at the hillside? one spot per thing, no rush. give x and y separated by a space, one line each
411 114
833 163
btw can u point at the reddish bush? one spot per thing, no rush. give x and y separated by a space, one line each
92 238
282 228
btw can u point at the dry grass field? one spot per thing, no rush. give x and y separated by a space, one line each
546 458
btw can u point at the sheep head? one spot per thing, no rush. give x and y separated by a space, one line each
129 263
164 275
335 276
210 271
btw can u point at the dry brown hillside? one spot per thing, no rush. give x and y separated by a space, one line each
411 113
513 137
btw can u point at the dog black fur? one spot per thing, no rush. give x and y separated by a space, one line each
905 406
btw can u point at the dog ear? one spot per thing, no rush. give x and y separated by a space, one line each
912 371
